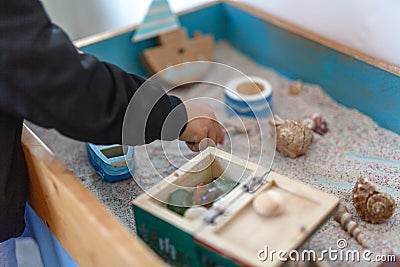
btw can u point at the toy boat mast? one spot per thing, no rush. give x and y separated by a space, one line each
159 19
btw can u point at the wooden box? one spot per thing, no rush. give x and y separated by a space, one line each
231 232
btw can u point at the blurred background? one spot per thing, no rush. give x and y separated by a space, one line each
367 25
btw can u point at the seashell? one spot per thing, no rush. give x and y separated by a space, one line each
363 189
292 137
372 205
295 88
193 213
344 218
380 207
316 123
268 204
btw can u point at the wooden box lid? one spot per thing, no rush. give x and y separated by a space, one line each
243 233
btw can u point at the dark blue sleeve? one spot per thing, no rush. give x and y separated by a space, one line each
45 80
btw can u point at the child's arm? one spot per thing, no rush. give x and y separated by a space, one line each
46 80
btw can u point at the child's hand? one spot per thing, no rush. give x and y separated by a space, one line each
202 127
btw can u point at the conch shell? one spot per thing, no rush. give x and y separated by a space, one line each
293 138
371 204
344 218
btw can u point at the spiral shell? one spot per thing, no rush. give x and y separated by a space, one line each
292 137
344 218
363 189
371 204
380 207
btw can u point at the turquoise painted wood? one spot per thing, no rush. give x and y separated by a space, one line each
173 245
121 52
211 19
349 81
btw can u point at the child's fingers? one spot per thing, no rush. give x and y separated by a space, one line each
193 146
212 134
221 134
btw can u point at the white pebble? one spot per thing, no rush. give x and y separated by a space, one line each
194 213
268 204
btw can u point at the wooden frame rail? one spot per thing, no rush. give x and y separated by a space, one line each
85 228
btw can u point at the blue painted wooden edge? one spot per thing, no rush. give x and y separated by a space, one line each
51 251
350 81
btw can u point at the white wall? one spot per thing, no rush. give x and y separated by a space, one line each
80 18
370 26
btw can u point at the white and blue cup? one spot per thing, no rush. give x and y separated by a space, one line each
251 97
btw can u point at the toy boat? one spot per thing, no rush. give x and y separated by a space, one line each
175 46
